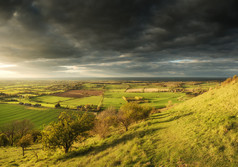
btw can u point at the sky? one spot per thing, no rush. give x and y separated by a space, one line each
118 38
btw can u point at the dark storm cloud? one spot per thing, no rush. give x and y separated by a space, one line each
121 36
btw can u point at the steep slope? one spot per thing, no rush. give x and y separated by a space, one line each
202 131
211 127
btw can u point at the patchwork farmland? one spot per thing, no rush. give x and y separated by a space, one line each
37 99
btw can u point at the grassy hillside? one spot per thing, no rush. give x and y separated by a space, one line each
39 116
202 131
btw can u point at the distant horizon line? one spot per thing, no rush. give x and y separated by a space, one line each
189 78
121 77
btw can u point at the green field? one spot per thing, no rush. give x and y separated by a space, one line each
69 102
157 100
39 116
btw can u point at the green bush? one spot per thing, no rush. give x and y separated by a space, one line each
58 105
132 112
36 135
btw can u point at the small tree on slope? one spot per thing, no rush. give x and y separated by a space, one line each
24 142
65 132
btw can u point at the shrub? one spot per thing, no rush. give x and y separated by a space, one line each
4 140
104 121
58 105
36 135
132 112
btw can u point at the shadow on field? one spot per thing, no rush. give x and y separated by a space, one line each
159 116
169 118
94 149
34 149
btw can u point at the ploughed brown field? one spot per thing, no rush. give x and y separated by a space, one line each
147 90
79 93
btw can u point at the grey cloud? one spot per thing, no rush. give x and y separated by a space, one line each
80 33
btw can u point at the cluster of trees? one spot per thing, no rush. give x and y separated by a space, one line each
72 127
171 84
29 104
137 99
58 86
19 133
75 127
88 107
15 130
128 114
6 95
